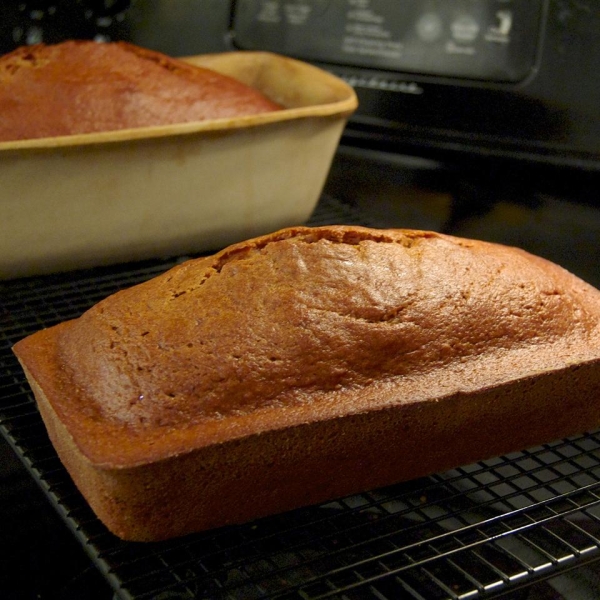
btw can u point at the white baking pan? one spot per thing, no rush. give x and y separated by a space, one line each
84 200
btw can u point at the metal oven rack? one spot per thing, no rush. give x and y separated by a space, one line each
479 531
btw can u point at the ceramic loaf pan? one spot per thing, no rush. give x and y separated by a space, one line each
91 199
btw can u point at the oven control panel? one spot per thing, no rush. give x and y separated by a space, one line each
491 40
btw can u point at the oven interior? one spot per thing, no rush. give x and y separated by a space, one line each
523 526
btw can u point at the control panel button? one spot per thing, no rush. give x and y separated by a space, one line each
465 29
500 31
430 27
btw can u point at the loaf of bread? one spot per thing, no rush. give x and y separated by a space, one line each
309 364
82 87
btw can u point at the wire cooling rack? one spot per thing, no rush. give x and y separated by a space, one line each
478 531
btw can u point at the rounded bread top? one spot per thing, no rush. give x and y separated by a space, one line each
83 87
282 319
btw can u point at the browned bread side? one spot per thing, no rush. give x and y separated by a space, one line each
84 87
308 364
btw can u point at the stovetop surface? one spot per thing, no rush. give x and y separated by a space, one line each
478 531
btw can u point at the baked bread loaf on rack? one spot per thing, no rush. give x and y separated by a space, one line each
309 364
84 87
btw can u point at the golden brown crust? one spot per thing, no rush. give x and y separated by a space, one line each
83 87
304 348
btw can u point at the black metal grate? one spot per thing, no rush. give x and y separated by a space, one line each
479 531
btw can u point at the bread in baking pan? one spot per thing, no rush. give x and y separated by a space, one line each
83 87
309 364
